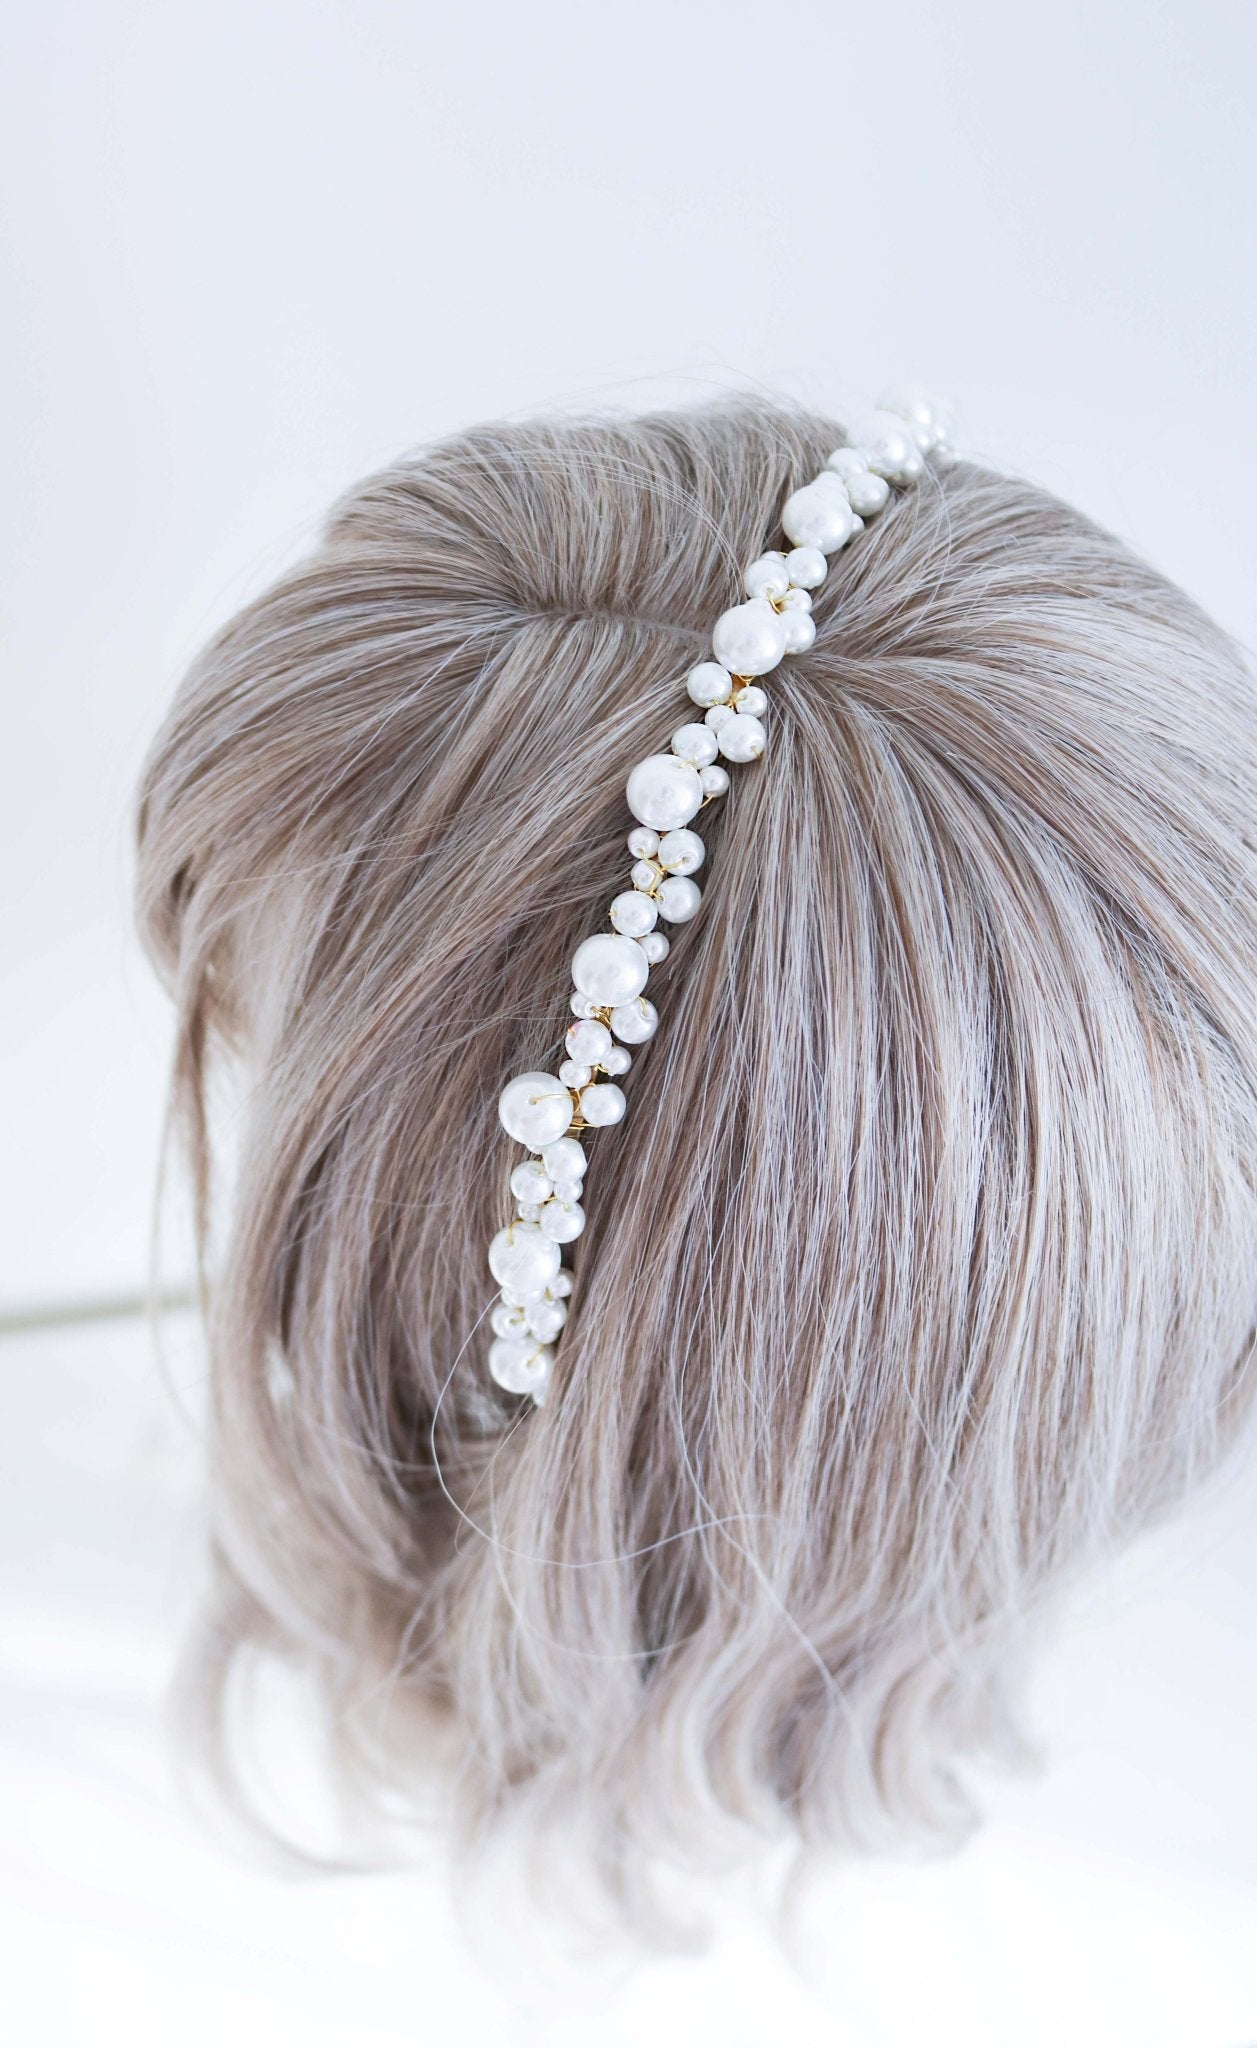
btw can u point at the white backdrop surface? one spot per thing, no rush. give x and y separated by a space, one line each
252 250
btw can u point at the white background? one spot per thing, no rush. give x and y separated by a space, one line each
253 250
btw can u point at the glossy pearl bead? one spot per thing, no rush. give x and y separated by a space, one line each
709 684
930 419
752 700
655 947
616 1062
642 842
693 743
808 568
890 446
719 715
609 968
565 1159
817 517
574 1073
665 791
715 779
748 641
522 1258
644 874
562 1221
742 739
683 852
521 1367
679 898
581 1006
634 913
530 1182
603 1103
561 1285
546 1319
535 1109
635 1022
768 576
847 463
506 1321
800 631
588 1040
797 601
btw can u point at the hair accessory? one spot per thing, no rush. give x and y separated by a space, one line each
545 1112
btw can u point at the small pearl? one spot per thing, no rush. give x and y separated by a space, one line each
644 874
709 684
634 913
642 842
587 1041
561 1285
565 1159
536 1108
847 463
655 947
604 1103
767 577
546 1319
748 641
530 1182
741 740
808 568
797 601
683 852
635 1022
581 1006
930 419
617 1061
505 1321
679 898
562 1221
752 701
693 743
715 780
609 968
665 791
890 446
522 1258
574 1075
530 1211
800 631
569 1190
868 494
522 1368
817 517
719 715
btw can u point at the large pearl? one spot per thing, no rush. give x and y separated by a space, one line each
522 1258
741 739
748 641
683 853
665 791
521 1366
678 899
610 968
603 1103
633 1023
536 1109
709 684
891 447
818 516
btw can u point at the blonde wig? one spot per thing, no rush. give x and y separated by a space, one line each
923 1269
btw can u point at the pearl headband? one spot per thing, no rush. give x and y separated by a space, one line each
545 1112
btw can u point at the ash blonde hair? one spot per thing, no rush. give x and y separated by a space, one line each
923 1269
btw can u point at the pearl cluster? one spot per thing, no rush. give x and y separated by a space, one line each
546 1112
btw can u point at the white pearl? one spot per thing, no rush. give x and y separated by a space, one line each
562 1221
588 1040
767 577
506 1321
521 1367
635 1022
715 779
679 898
565 1159
817 517
719 715
797 601
930 419
561 1284
709 684
748 641
752 701
644 874
683 852
546 1319
530 1182
642 842
665 791
655 947
581 1006
609 969
574 1074
808 568
569 1190
523 1259
634 913
741 740
693 743
868 494
800 631
535 1109
890 446
604 1103
617 1061
848 462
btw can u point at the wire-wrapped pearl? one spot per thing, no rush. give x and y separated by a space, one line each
562 1221
616 1062
609 968
655 947
521 1366
530 1181
891 447
808 568
507 1321
635 1022
524 1260
665 791
715 780
588 1040
930 419
536 1108
752 701
633 913
748 641
693 743
742 739
767 576
546 1319
603 1103
642 842
683 852
800 631
709 684
574 1073
565 1159
678 898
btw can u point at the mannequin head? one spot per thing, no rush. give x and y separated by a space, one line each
922 1270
